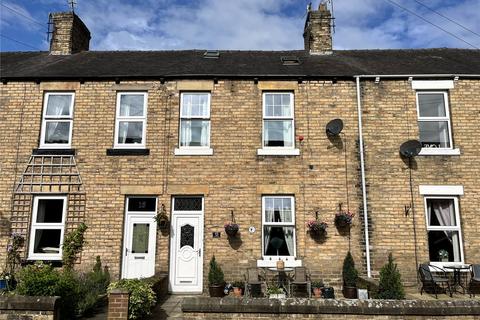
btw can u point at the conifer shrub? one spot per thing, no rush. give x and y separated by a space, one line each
349 273
215 275
390 286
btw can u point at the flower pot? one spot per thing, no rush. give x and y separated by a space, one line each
317 292
231 230
350 292
3 284
340 223
237 292
318 233
328 293
216 290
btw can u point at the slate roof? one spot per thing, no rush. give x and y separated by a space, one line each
232 64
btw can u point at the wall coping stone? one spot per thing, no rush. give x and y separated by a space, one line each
119 291
330 306
31 303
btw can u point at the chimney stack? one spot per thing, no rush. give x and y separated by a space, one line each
70 35
317 34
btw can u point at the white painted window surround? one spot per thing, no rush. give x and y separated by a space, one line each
432 84
131 120
57 120
278 126
435 190
436 87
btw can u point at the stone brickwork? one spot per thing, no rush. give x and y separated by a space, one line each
118 304
29 308
234 177
69 34
317 35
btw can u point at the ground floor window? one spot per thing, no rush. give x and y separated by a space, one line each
47 230
278 226
443 229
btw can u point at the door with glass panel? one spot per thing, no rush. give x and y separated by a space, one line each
140 238
186 245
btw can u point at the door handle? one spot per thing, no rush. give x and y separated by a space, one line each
200 252
126 251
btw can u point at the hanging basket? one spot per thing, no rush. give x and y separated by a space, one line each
231 229
343 220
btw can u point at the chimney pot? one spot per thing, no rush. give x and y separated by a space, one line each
70 35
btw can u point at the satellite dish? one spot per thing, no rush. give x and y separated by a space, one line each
334 127
410 148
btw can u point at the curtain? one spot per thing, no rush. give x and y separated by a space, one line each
444 213
55 107
204 136
286 216
186 133
288 232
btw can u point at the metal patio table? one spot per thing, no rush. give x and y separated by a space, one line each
457 279
282 277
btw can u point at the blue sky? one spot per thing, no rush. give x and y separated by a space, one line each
241 24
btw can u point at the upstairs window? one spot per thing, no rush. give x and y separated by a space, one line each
434 120
131 120
57 120
195 120
47 231
278 125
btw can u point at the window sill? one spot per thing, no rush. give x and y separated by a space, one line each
447 264
278 152
60 152
439 152
128 152
193 151
289 262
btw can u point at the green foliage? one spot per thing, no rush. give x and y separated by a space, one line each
142 297
274 289
349 273
317 284
238 284
215 275
43 280
91 286
72 246
390 286
79 292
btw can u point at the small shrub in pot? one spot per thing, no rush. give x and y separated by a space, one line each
349 275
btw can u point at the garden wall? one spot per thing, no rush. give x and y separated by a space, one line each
195 308
29 308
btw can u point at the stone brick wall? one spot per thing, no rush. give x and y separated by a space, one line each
29 308
390 118
118 304
318 31
234 178
70 35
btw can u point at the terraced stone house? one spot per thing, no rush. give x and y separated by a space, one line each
115 138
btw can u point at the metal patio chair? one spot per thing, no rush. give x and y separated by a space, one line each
433 282
300 278
474 285
254 280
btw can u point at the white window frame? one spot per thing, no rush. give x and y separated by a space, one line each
194 150
60 118
142 119
288 151
45 226
270 261
457 227
437 151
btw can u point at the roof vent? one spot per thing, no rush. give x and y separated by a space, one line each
211 54
290 60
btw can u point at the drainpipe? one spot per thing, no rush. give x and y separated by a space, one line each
362 169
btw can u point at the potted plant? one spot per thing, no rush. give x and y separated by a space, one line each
275 292
390 284
317 288
349 275
238 287
344 218
215 279
443 255
162 218
231 229
317 227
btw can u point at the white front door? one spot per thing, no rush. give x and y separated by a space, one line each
140 238
186 245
